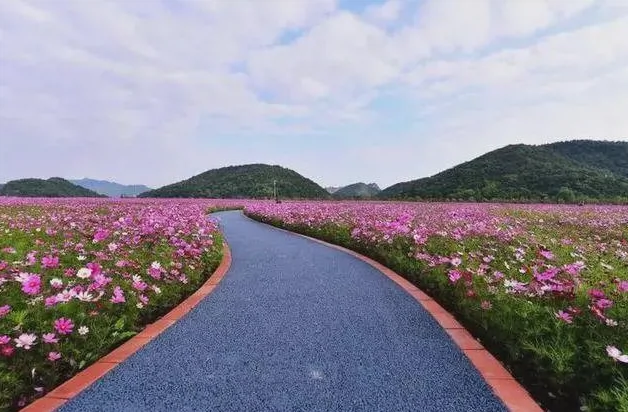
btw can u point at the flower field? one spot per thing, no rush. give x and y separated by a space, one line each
545 288
79 276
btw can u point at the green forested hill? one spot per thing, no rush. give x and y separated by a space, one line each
246 181
357 191
566 171
53 187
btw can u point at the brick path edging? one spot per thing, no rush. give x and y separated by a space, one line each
75 385
504 385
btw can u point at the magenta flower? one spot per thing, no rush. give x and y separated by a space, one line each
49 338
64 326
31 285
623 286
4 310
7 351
50 262
25 340
564 316
54 356
118 295
101 234
604 303
4 339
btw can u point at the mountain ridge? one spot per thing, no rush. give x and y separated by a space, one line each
243 181
111 189
577 170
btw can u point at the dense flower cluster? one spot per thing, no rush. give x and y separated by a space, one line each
559 271
79 276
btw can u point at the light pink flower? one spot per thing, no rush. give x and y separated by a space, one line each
564 316
54 356
4 310
547 254
616 354
49 338
486 305
454 275
622 286
4 339
25 340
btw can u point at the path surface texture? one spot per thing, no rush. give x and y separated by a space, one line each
295 326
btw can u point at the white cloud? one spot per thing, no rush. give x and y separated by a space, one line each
176 82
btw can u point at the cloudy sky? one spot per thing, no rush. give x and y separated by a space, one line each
155 91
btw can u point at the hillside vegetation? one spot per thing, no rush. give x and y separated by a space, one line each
567 171
53 187
357 191
246 181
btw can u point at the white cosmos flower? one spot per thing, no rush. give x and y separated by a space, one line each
616 354
84 273
56 282
81 258
84 296
83 330
137 278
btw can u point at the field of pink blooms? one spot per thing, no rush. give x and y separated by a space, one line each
80 276
544 287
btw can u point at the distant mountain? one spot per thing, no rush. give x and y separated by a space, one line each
566 171
333 189
111 189
53 187
357 191
246 181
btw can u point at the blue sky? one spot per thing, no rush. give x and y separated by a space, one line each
341 91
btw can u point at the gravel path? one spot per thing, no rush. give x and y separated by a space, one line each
295 326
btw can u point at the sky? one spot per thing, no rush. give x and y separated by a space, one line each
156 91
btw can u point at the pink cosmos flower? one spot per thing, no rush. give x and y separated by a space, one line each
95 268
456 261
101 234
155 270
118 295
616 354
50 262
604 303
4 310
56 283
25 340
4 339
547 254
64 326
623 286
31 285
454 275
486 305
49 338
564 316
50 301
54 356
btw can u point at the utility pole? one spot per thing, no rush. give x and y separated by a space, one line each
275 189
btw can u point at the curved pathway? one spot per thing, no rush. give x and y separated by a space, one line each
295 326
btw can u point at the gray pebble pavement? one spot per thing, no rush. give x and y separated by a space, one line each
295 326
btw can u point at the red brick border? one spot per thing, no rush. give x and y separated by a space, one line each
506 388
72 387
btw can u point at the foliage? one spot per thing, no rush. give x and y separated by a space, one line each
593 171
357 191
545 288
79 277
53 187
247 181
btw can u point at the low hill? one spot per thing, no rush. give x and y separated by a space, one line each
111 189
566 171
357 191
246 181
53 187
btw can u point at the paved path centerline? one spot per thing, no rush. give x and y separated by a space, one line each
295 326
